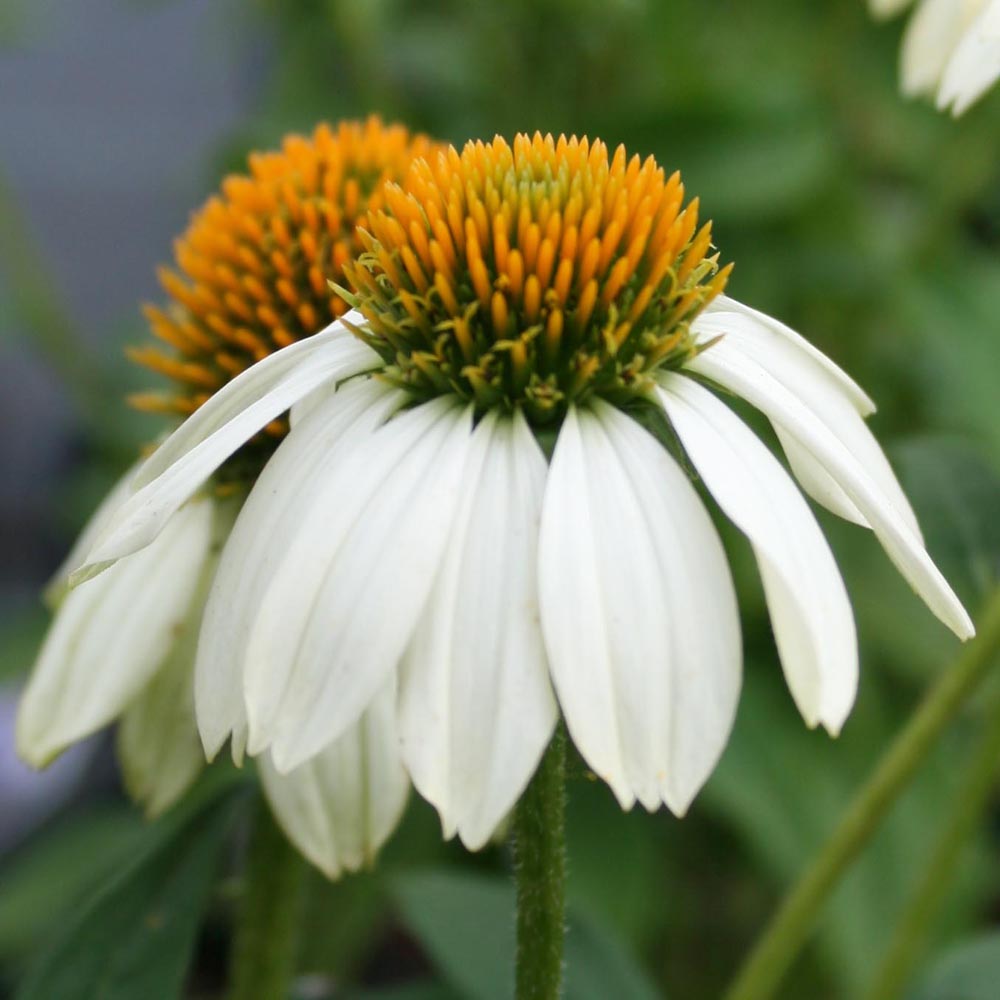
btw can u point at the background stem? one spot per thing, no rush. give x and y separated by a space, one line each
540 876
266 937
968 806
792 924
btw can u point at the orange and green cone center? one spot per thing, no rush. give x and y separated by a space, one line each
253 269
532 274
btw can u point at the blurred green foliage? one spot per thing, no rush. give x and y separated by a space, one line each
135 936
871 224
968 972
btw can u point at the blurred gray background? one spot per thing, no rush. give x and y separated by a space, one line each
109 110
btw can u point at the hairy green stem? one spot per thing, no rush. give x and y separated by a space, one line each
266 938
979 779
793 923
540 876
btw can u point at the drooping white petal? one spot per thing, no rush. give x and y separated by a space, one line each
885 9
638 611
158 748
931 35
110 636
780 340
271 518
800 374
217 429
476 707
344 601
339 807
117 495
332 348
810 612
748 379
159 752
974 65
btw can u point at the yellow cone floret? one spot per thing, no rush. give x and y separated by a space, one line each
533 274
254 266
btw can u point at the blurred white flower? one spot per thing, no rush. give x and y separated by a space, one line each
410 534
111 636
251 275
950 51
122 647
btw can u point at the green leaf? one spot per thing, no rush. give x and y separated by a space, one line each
134 938
969 971
620 885
54 870
598 966
411 991
466 924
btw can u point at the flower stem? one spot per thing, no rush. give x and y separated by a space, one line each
968 806
266 937
540 876
790 927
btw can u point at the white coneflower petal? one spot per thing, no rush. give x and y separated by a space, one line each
814 478
638 611
58 586
752 338
933 32
216 430
887 8
158 747
340 807
361 568
780 340
750 380
110 637
322 354
476 706
950 48
810 611
307 404
974 66
159 752
267 525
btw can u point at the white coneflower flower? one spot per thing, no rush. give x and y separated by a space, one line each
411 530
253 271
951 49
111 637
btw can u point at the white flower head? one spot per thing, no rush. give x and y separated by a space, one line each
115 633
470 513
950 51
252 277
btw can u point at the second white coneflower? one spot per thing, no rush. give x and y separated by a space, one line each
482 499
950 50
251 277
